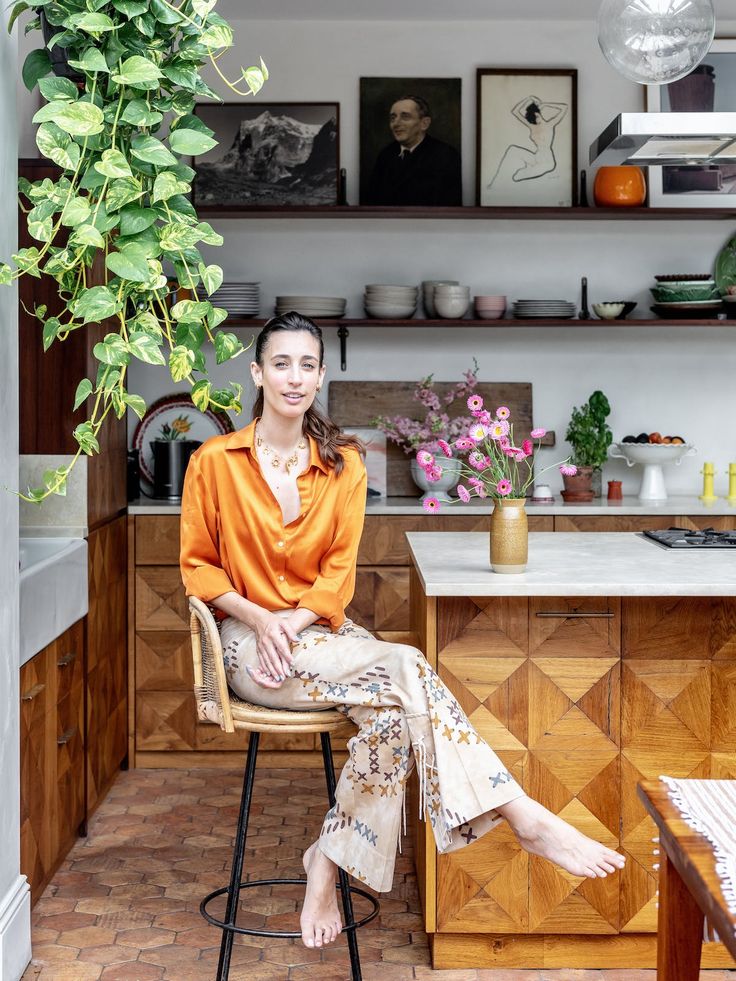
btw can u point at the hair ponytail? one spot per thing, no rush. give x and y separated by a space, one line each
328 436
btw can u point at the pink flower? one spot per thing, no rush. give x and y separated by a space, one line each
503 487
538 433
475 403
568 469
477 461
510 450
485 418
425 459
462 493
433 474
528 447
503 412
445 447
504 442
520 456
499 429
463 443
478 432
478 486
431 504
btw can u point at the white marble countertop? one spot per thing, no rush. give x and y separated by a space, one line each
572 564
411 506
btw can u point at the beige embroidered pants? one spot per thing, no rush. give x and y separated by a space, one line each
399 704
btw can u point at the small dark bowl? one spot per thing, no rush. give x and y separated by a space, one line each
629 305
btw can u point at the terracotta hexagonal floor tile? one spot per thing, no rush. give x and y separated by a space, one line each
179 921
102 904
144 939
108 954
66 921
170 956
203 936
133 971
120 877
89 936
75 971
293 954
45 954
126 920
410 954
320 972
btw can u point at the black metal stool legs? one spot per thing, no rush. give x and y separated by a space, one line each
347 902
236 873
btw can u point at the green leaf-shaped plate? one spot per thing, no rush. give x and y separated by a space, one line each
725 270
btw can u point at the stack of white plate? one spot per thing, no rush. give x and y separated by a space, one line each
385 302
540 309
239 299
312 306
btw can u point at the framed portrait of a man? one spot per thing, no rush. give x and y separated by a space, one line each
410 142
526 137
710 87
276 154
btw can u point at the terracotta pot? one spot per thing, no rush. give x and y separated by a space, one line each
509 535
579 487
619 187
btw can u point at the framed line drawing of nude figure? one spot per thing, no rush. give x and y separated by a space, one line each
526 137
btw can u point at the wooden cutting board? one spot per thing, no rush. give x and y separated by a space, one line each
356 403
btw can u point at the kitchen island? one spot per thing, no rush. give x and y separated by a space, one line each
608 661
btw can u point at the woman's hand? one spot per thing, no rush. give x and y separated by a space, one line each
274 636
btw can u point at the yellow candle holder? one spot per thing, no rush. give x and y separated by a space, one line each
708 472
731 483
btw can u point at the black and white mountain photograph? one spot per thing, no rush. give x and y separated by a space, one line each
279 153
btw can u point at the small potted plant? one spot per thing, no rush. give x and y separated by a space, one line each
589 436
427 434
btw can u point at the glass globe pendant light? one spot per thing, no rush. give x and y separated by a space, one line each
654 42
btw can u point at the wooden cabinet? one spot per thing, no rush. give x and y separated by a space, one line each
107 658
581 698
51 755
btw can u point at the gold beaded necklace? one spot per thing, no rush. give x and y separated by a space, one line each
276 460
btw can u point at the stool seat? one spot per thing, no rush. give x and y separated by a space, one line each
216 704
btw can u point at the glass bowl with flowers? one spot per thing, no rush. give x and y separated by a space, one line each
495 468
429 434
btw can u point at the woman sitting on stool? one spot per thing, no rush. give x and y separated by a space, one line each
271 521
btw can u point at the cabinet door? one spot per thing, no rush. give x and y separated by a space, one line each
70 808
37 772
381 600
107 669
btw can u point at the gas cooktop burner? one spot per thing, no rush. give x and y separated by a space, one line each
687 538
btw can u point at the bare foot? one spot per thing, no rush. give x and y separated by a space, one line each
543 833
320 919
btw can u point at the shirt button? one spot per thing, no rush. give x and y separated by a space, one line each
280 544
281 578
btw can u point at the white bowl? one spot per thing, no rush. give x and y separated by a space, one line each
451 308
651 452
488 314
608 311
379 288
451 290
383 310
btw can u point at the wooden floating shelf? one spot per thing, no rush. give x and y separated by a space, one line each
472 213
539 322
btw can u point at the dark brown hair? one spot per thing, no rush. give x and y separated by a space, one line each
330 439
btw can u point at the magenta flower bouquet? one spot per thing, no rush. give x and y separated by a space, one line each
495 466
428 434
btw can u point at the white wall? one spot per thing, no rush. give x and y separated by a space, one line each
671 379
15 933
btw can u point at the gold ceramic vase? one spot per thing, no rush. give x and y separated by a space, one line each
509 535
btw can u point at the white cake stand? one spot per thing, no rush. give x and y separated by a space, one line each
652 456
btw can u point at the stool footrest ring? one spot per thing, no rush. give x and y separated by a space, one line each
233 928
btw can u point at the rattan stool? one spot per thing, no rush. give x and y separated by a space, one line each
217 704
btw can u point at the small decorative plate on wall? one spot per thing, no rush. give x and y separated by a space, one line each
175 414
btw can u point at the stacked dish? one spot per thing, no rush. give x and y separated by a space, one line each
490 307
693 296
385 302
544 309
451 302
312 306
428 287
239 299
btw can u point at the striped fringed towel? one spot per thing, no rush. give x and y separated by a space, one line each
709 807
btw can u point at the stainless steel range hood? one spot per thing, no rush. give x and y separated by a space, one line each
658 139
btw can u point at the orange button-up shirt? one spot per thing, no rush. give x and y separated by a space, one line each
233 536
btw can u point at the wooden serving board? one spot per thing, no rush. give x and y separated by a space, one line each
356 403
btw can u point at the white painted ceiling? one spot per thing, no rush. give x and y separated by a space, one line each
403 10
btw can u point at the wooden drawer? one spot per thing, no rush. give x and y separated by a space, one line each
637 522
69 768
68 660
36 696
582 626
163 661
160 600
679 627
157 539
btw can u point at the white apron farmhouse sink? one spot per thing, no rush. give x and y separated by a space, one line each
53 590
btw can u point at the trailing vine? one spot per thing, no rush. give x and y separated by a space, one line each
118 129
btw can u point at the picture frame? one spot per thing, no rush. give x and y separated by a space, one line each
700 91
427 124
526 137
269 154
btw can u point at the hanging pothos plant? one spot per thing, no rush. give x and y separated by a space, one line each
118 128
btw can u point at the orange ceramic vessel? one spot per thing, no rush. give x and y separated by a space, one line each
619 187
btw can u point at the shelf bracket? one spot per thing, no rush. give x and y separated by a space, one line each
343 333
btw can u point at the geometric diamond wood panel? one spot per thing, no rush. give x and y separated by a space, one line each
554 634
381 600
160 599
163 660
681 627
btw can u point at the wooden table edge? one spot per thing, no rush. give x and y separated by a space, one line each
655 796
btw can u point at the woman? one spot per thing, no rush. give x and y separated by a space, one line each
271 520
541 119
